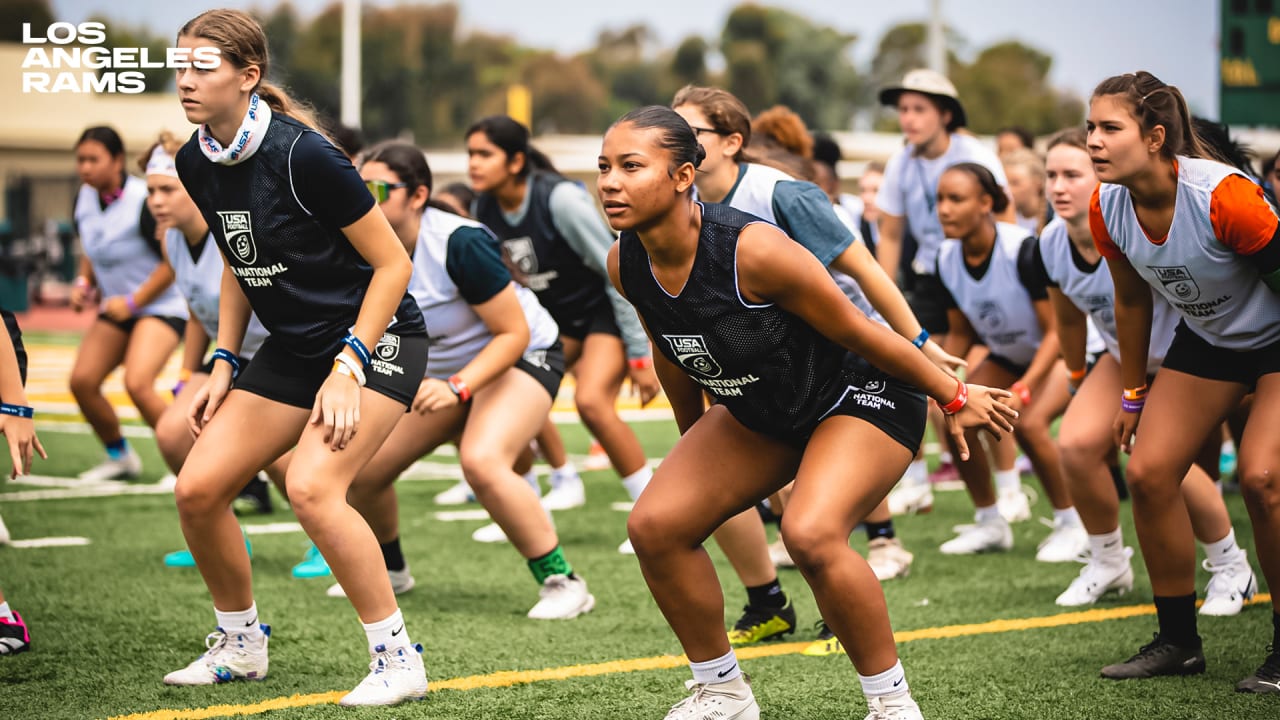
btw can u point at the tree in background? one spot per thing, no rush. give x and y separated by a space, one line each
1008 84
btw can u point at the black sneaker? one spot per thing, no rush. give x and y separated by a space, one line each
1158 658
763 623
254 499
1265 679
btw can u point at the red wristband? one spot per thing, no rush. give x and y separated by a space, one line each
1023 392
640 363
959 401
459 388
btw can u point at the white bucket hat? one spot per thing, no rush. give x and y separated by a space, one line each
931 83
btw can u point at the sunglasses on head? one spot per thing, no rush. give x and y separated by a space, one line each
381 189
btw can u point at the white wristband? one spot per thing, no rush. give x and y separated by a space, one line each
348 365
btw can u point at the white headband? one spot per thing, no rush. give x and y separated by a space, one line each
161 163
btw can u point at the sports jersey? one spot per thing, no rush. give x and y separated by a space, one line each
1219 216
997 296
457 263
278 217
801 209
770 369
122 259
199 281
1089 288
910 191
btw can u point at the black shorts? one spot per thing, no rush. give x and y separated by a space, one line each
1010 366
1193 355
276 373
598 320
178 324
897 409
927 299
546 366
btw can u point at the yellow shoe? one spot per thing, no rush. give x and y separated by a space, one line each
763 623
826 644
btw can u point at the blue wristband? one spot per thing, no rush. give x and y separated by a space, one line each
361 350
921 339
231 360
17 410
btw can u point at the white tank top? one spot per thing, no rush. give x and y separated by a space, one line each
1218 293
121 258
199 281
997 305
456 332
1091 290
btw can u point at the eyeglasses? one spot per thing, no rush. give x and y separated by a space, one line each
697 131
381 189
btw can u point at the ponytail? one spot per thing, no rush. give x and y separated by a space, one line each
1155 103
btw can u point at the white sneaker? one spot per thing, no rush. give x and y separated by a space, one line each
394 676
980 538
125 468
888 559
490 533
1232 583
168 482
626 548
459 494
1097 578
229 657
562 598
779 554
565 496
1014 505
5 539
1066 543
900 707
597 458
401 583
905 499
730 700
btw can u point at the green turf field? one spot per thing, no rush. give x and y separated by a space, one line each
108 621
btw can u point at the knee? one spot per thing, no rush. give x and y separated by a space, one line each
1260 486
173 439
310 492
139 385
593 407
651 531
482 466
1080 452
198 497
1150 482
84 384
812 543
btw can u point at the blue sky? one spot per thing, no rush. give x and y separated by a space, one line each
1088 39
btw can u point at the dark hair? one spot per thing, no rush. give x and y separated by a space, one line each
1024 135
726 113
466 196
512 138
348 139
987 182
675 135
403 159
1152 103
1074 136
106 136
1217 138
1271 164
826 150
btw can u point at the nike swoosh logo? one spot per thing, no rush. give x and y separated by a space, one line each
251 623
397 631
1111 544
726 672
1275 685
898 682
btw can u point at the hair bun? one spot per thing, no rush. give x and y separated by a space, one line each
699 154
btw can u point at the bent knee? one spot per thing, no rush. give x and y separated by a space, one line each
812 544
1151 481
1260 486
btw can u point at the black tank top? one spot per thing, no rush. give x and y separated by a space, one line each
770 369
545 261
301 276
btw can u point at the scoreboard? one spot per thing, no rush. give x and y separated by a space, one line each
1250 65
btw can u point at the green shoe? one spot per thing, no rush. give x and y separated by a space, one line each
313 565
183 558
762 623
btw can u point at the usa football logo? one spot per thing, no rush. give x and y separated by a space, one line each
388 348
1178 281
691 352
522 255
237 229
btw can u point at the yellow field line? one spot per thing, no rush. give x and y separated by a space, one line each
507 678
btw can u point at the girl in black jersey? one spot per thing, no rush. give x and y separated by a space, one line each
740 311
307 250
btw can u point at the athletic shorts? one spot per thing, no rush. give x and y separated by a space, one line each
599 320
927 299
545 366
1008 365
276 373
1193 355
897 409
178 324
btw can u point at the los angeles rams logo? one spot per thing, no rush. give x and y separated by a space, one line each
237 230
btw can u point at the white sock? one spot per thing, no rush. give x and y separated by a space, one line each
389 633
531 477
1008 481
722 669
6 613
636 482
566 473
1222 550
986 515
890 682
1107 545
917 474
1066 518
241 621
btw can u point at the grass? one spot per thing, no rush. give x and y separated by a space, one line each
108 620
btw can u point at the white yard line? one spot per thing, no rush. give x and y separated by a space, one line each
47 542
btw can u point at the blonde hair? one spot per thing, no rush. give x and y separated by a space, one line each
726 113
1027 161
168 141
241 42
